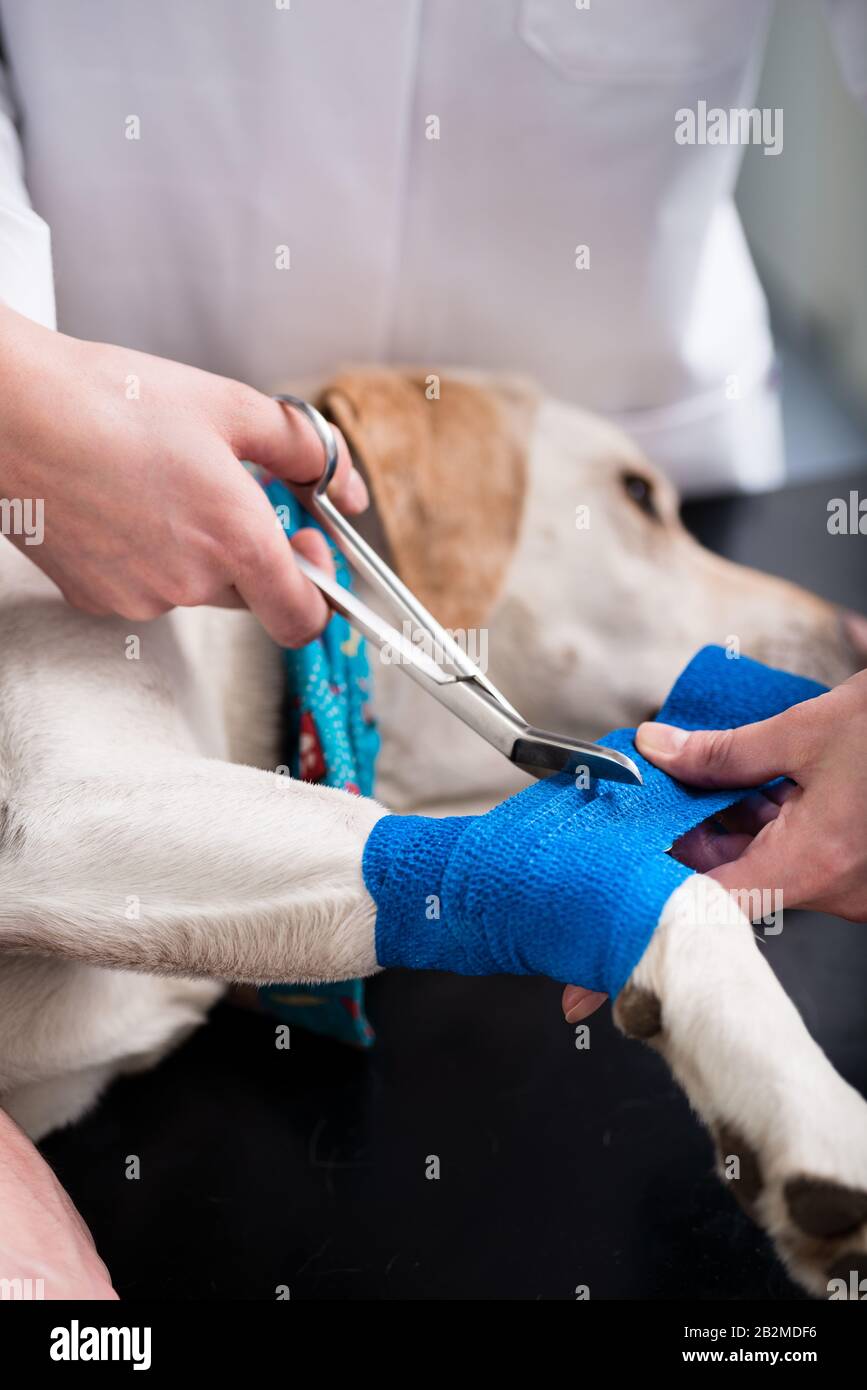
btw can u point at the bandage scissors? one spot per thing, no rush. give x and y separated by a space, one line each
455 681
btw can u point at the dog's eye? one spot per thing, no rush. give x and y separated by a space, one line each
640 491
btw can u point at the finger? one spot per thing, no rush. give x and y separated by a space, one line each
781 792
347 488
749 816
314 547
227 597
727 835
263 570
741 757
283 440
706 847
780 860
578 1003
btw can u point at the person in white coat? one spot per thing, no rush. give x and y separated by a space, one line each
209 197
274 190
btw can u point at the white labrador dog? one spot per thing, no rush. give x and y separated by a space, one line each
149 855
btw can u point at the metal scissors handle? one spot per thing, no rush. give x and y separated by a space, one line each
457 682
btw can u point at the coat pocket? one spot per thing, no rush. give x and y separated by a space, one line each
642 40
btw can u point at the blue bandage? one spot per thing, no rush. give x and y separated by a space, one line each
560 881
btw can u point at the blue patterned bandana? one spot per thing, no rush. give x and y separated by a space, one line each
330 738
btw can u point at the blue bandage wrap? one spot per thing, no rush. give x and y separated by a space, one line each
559 880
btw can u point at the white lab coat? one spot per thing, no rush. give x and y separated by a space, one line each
284 209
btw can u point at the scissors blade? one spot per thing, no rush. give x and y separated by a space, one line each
374 627
534 749
384 580
544 754
538 752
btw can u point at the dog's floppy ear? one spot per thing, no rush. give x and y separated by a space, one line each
447 473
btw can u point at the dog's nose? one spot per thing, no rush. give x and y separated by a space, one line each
854 627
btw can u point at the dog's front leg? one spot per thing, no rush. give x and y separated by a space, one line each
192 867
789 1132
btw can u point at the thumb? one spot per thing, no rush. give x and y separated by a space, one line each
743 757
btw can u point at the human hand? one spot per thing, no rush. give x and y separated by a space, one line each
146 504
42 1236
806 837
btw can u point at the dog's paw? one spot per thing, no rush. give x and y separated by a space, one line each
790 1133
808 1191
